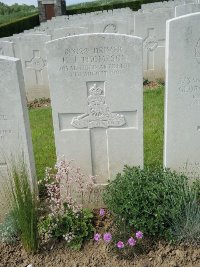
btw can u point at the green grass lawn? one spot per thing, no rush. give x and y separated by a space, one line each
43 137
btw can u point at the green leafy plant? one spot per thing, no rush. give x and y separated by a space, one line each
147 199
74 226
24 205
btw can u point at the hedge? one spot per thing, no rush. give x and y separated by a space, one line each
19 25
134 5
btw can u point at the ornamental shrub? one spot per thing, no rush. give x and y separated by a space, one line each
146 199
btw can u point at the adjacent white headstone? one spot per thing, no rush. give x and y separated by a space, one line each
96 92
33 56
68 31
186 9
152 28
182 103
6 48
15 136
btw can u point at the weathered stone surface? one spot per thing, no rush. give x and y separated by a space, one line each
186 9
182 104
96 92
15 137
6 48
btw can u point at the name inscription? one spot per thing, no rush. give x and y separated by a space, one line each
80 62
190 86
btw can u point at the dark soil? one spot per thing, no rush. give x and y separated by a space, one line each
39 103
96 255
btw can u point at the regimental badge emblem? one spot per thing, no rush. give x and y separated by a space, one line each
99 115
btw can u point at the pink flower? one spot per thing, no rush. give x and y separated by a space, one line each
139 235
97 237
131 241
102 212
120 244
107 237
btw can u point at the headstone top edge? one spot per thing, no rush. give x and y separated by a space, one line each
196 14
97 35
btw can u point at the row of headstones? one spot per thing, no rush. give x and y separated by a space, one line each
98 108
147 24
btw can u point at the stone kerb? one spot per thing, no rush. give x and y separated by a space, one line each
186 9
15 135
182 98
96 93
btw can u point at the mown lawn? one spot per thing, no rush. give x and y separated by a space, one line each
43 137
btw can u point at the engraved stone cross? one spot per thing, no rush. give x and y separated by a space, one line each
99 120
37 63
150 44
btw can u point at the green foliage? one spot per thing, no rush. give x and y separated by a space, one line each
23 203
148 200
186 227
98 6
106 5
15 8
19 25
8 230
75 226
196 188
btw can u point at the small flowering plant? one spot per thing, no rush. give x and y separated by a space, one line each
119 240
122 238
67 219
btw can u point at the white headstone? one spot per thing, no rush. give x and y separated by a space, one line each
152 28
15 136
186 9
68 31
33 56
182 103
96 92
6 48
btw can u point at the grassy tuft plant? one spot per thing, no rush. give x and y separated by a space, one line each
23 203
186 227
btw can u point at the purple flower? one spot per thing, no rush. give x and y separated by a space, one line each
131 241
120 244
139 235
97 237
107 237
102 212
